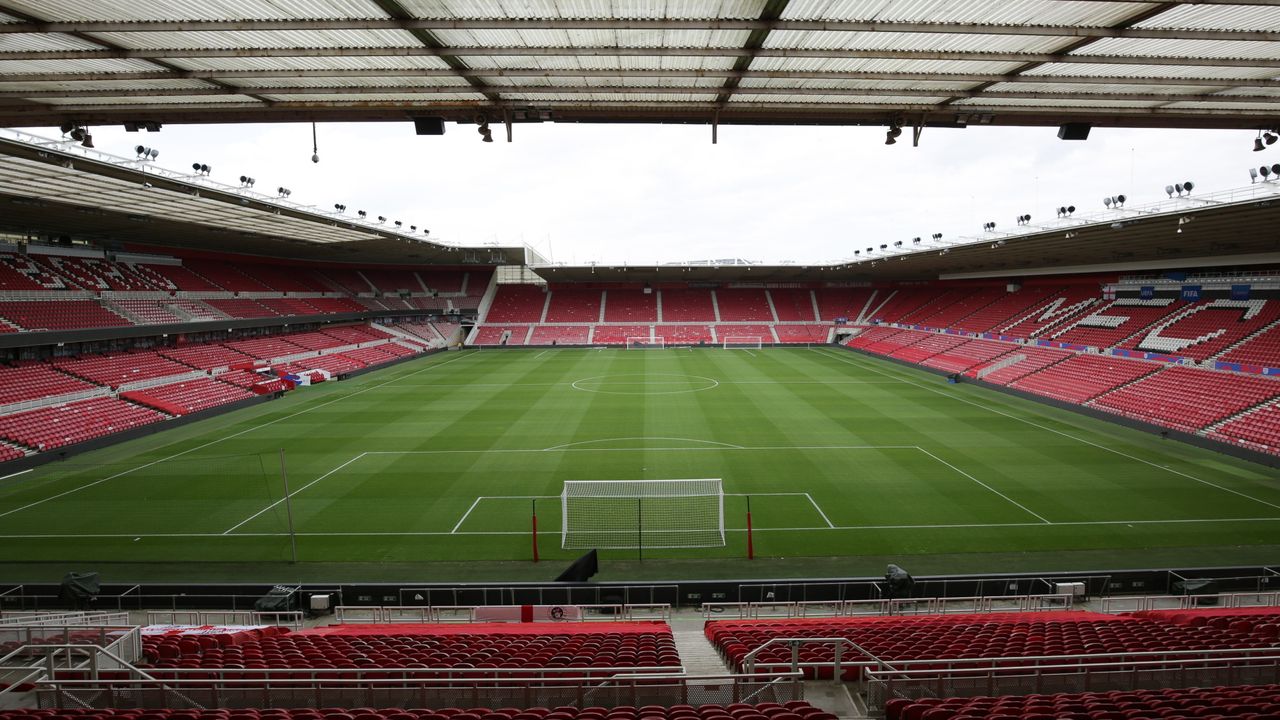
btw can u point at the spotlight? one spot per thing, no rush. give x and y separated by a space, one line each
897 243
399 224
1182 187
1066 210
82 136
891 137
884 247
915 241
937 236
413 228
339 207
857 252
1115 201
152 126
1024 219
1169 188
283 192
1269 137
426 231
1265 172
146 154
989 227
1253 178
362 214
486 135
246 181
382 218
1257 144
200 168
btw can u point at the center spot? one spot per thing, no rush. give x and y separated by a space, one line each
645 384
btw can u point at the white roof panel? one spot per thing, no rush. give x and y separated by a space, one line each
1014 12
1216 17
1145 47
71 10
309 63
821 39
260 39
941 67
1153 71
634 9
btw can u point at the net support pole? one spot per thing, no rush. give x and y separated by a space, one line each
751 548
639 530
534 504
288 507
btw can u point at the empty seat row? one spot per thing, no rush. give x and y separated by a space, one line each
1246 702
61 425
793 710
188 396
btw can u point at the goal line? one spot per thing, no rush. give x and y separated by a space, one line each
742 342
638 514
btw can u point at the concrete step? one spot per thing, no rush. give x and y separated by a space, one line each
697 653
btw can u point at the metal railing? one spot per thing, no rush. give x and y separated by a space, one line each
292 619
897 606
581 691
845 654
424 614
1092 675
63 618
1190 602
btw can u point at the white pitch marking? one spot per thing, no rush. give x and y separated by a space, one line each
1006 497
1052 430
626 439
292 494
228 437
958 526
748 352
770 448
20 472
465 514
826 519
544 352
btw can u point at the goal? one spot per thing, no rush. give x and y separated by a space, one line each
644 343
742 342
630 514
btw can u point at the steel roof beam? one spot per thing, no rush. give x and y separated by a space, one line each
635 73
645 90
845 26
506 51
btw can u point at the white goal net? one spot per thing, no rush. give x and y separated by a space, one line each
646 343
630 514
742 342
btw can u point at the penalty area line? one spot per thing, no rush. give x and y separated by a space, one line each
997 492
295 492
825 519
465 515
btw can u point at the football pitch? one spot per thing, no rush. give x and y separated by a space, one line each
434 469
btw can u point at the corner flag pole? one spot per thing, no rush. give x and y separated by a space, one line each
288 506
534 505
751 548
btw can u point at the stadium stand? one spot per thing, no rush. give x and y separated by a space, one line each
1001 310
802 333
742 305
1263 348
983 635
629 306
560 335
966 355
240 308
57 426
571 305
188 396
517 304
678 334
1024 361
1258 429
618 334
479 645
1084 377
33 381
1117 321
928 346
751 332
35 315
792 710
1188 399
118 369
792 305
685 306
1201 330
1232 701
226 276
836 303
206 357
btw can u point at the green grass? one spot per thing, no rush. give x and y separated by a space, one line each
425 470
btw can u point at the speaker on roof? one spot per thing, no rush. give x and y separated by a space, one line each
428 125
1074 131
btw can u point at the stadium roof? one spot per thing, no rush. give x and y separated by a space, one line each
910 62
56 189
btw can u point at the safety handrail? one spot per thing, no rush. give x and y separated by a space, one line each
1190 602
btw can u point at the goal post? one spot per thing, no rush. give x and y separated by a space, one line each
742 342
646 343
641 514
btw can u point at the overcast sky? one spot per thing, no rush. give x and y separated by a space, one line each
661 193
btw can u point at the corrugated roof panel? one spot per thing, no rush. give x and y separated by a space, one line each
176 85
372 83
1102 89
1026 103
881 65
1143 47
635 9
1015 12
1227 107
538 82
17 42
1268 92
1216 17
166 101
853 84
8 67
639 98
852 101
261 38
378 97
820 39
1153 71
71 10
307 63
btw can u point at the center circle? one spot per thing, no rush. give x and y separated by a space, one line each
645 384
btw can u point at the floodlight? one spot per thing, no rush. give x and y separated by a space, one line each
1169 188
937 236
246 181
1264 171
891 137
426 231
339 207
1257 145
915 241
1106 201
1269 138
1275 169
399 224
897 243
283 191
1253 176
362 213
382 218
200 168
884 247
